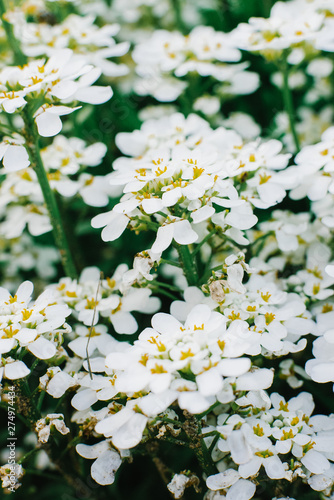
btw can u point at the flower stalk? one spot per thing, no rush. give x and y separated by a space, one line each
178 15
188 265
288 105
19 58
32 146
192 428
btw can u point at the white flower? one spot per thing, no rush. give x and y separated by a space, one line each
178 485
230 480
56 382
12 369
34 326
64 77
178 229
36 218
166 56
13 155
184 164
44 426
126 427
289 25
107 461
170 350
115 224
321 369
90 299
79 32
10 474
142 265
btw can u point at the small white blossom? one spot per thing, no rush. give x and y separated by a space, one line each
107 461
44 426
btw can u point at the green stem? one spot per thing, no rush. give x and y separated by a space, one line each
187 264
40 401
162 214
70 445
33 366
176 442
162 291
199 416
214 442
19 58
217 268
170 262
41 473
288 104
32 146
165 285
176 6
204 240
193 430
27 455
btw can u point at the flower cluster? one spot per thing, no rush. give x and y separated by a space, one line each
313 177
37 327
90 298
199 176
196 362
166 56
63 78
298 25
78 33
65 161
280 436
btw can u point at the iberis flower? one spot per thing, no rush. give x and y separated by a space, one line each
166 56
297 23
196 363
280 437
89 299
79 33
66 161
63 79
182 176
36 326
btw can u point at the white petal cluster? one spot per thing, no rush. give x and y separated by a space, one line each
52 421
267 319
183 174
33 215
62 79
79 33
106 460
166 56
142 16
65 162
296 237
312 176
56 382
178 485
10 475
36 326
13 153
295 24
195 362
279 436
20 255
89 301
